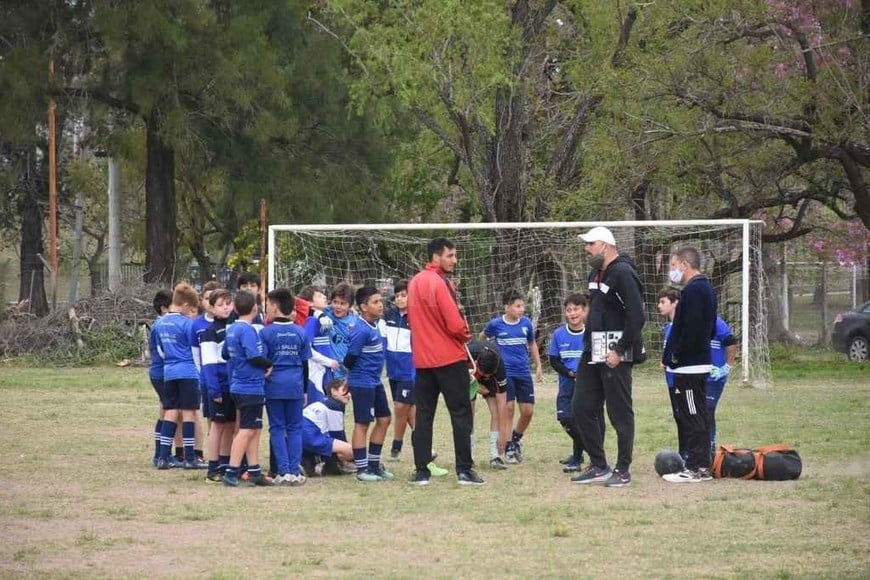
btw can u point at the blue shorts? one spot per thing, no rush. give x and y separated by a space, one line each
402 391
206 401
313 441
563 399
181 394
369 403
250 409
225 411
521 389
160 389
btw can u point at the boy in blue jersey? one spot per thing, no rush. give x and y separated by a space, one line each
400 366
667 306
247 364
515 337
180 377
723 353
322 363
162 301
344 320
365 362
200 323
323 426
289 351
214 374
566 349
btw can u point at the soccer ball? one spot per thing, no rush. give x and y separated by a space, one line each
668 461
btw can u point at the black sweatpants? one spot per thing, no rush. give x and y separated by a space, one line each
452 381
570 427
689 397
598 384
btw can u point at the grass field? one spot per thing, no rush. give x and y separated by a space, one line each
79 498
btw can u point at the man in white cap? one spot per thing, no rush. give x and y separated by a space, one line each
612 345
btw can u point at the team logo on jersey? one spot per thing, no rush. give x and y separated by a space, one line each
525 331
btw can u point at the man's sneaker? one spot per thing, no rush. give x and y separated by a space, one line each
394 455
367 476
195 463
618 479
230 480
567 460
419 478
705 474
213 477
162 464
261 480
572 466
173 462
436 471
685 476
383 473
469 477
497 464
592 474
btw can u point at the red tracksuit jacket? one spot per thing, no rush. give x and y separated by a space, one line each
438 330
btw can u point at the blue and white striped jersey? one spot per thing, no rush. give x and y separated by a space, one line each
397 336
367 344
513 340
567 345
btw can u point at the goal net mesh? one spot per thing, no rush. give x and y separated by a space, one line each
544 263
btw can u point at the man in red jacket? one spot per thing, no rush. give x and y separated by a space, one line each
439 333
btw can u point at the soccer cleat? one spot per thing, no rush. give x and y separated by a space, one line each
163 464
497 464
592 474
468 477
618 479
230 480
419 478
173 462
394 455
572 466
510 453
290 480
704 474
213 477
518 452
261 480
383 473
436 471
367 476
195 463
685 476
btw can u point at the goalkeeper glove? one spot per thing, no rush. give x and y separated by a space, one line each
324 320
717 373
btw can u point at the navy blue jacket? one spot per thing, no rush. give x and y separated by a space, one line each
694 326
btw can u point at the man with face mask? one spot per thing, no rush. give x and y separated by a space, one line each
612 345
687 355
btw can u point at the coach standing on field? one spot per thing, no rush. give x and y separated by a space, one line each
687 355
439 333
612 345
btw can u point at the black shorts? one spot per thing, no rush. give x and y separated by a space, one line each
402 391
225 411
250 408
160 389
207 403
181 394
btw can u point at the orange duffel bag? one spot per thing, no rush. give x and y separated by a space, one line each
769 462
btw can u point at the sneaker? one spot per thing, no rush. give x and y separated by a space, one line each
592 474
685 476
195 463
394 455
162 464
518 452
572 466
618 479
230 480
261 480
383 473
367 476
469 477
291 480
705 474
419 478
498 464
510 453
436 471
567 460
173 462
213 477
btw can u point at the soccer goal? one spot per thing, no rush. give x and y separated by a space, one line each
545 261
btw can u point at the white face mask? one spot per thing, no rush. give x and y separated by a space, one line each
675 275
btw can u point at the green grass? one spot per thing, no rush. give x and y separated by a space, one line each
79 498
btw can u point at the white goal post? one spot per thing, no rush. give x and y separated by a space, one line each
545 260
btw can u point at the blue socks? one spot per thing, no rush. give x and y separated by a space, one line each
167 434
359 459
188 433
375 456
157 429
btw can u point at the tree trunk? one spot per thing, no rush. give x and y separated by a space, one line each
160 212
776 332
32 281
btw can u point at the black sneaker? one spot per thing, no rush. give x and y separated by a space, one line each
592 474
261 480
567 460
469 477
195 463
704 474
498 464
618 479
572 466
420 478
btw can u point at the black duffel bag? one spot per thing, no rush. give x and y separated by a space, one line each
769 462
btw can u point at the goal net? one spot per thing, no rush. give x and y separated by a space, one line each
545 261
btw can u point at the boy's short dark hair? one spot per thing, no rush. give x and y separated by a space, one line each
334 385
211 286
163 299
576 299
511 296
671 293
184 295
218 295
248 278
308 292
400 286
283 298
244 302
487 360
343 291
364 293
437 246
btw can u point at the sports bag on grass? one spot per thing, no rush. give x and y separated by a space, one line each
770 462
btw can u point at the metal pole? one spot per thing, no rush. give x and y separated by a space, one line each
114 249
264 228
52 189
77 249
744 307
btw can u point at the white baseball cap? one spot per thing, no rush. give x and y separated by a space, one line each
598 234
